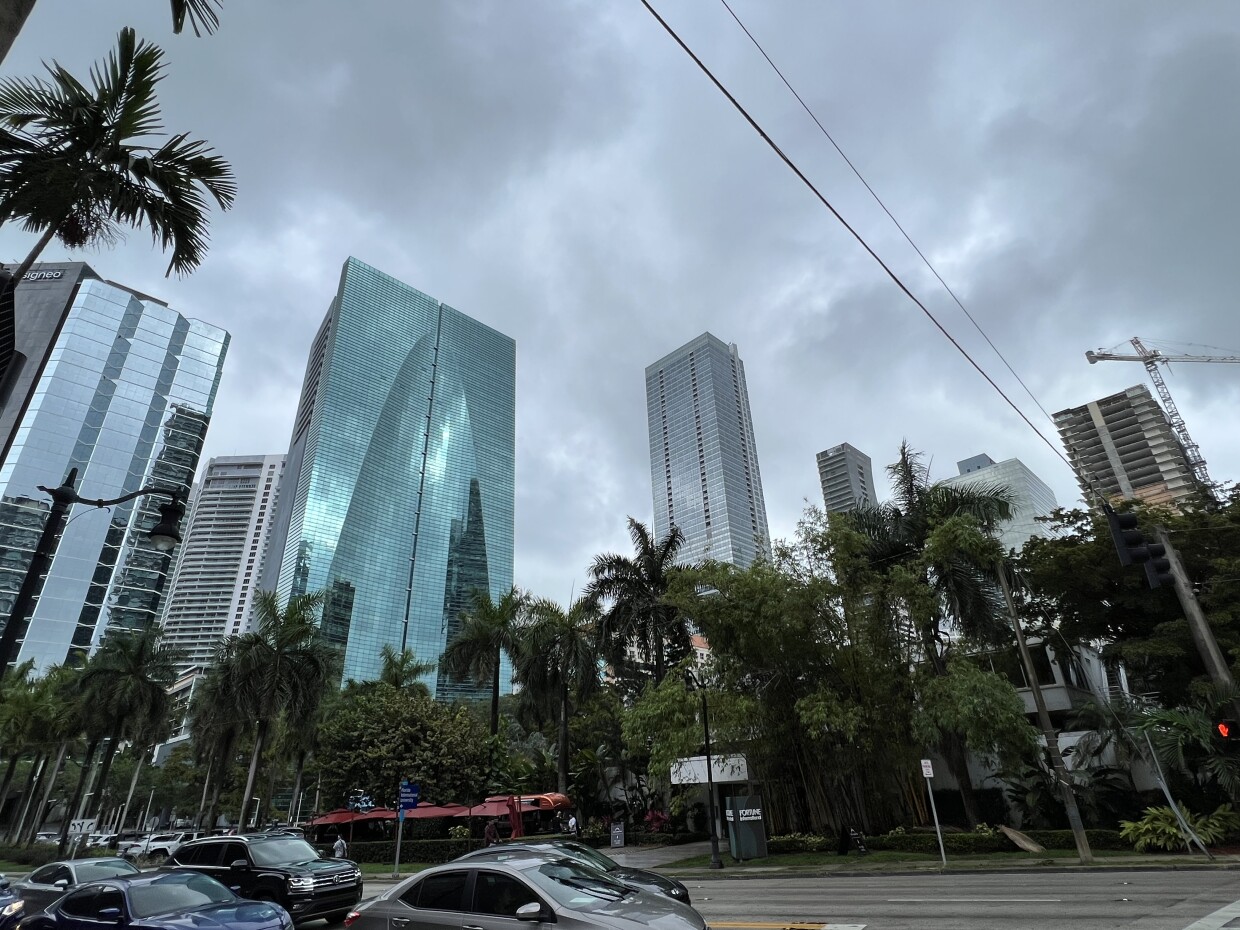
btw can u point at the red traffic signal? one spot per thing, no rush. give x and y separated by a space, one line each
1227 729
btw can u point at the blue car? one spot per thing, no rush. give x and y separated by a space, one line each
10 905
158 901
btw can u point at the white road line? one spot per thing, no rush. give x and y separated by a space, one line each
980 901
1216 920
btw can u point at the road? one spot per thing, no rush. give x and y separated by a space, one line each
1162 900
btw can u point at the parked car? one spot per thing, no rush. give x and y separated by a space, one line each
640 879
47 838
272 867
158 901
11 907
530 886
158 845
48 882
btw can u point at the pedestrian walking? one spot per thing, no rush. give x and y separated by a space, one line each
490 834
573 828
341 848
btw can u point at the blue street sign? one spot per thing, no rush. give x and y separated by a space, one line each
409 794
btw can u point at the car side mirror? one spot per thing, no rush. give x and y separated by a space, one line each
61 883
110 914
532 911
238 864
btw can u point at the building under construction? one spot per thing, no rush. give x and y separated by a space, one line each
1125 447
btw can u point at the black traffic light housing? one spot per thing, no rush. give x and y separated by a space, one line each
1133 549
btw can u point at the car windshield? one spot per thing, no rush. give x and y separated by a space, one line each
574 884
180 891
282 851
103 868
590 856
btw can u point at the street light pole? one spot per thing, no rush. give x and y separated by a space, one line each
715 861
164 536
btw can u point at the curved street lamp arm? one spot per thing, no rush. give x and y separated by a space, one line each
141 492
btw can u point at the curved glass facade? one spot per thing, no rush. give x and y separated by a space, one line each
125 398
397 500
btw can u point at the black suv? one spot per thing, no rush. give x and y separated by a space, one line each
279 868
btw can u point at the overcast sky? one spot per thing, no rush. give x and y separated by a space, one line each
563 172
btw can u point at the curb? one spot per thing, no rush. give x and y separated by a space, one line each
705 875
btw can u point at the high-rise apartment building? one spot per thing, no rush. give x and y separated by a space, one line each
222 551
398 492
125 397
847 478
1125 446
703 459
1029 495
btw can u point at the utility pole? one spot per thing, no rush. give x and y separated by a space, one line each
1044 720
1198 626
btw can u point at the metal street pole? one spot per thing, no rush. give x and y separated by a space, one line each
715 861
1198 625
1044 720
164 536
63 498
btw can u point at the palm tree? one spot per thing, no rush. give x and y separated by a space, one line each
488 631
635 588
56 720
216 728
557 663
78 163
128 681
402 669
283 667
200 13
17 696
900 537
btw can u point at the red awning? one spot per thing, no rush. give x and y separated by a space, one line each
433 810
485 809
378 813
340 816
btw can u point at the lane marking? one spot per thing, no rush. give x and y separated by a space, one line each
785 925
976 900
1216 920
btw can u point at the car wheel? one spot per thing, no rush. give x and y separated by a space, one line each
264 896
337 917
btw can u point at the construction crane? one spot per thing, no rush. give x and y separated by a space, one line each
1151 359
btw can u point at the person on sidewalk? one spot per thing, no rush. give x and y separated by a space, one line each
490 835
341 848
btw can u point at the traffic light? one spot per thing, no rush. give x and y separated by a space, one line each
1158 568
1134 550
1227 729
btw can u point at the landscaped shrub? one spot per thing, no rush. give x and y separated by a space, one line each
1159 829
1063 839
33 856
988 841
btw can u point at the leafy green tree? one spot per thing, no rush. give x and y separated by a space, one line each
1072 579
201 14
931 549
17 699
557 664
637 615
489 631
78 163
377 738
402 669
281 668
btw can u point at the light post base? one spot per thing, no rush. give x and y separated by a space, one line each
715 861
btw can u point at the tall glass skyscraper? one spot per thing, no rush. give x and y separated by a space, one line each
1029 496
703 459
398 493
124 396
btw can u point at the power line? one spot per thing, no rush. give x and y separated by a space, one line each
856 235
909 239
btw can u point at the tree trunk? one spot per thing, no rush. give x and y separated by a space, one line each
133 784
260 736
36 770
37 820
13 15
958 761
266 806
8 780
206 793
101 785
563 738
294 803
495 696
71 809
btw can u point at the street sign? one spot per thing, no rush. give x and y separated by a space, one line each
927 768
78 827
409 794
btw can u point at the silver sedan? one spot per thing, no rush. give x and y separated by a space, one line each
480 895
49 882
